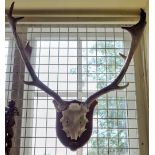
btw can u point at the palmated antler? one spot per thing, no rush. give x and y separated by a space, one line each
136 32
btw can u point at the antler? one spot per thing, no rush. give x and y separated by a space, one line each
136 32
25 52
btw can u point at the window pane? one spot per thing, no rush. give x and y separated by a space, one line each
75 61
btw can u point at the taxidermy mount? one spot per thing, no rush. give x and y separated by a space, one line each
74 119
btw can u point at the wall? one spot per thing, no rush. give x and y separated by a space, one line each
78 4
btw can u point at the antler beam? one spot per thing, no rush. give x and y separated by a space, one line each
25 52
136 32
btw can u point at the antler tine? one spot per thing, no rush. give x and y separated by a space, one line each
25 52
136 33
12 20
122 55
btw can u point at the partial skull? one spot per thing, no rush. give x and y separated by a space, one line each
74 120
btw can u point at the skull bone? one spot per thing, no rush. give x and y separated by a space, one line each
74 120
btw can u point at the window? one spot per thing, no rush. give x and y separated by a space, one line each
74 61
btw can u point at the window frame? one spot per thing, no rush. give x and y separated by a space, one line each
141 100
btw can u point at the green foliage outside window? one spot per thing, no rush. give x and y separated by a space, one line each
111 136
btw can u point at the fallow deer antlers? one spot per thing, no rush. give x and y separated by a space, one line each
136 32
